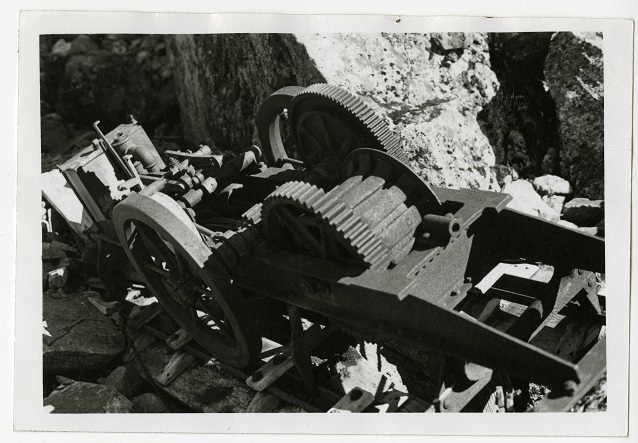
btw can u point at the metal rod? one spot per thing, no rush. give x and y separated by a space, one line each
111 150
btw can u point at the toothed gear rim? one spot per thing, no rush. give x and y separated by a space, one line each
323 116
294 204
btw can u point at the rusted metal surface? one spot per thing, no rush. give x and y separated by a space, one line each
337 228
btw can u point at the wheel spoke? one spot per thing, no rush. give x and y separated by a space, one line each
156 246
346 146
326 133
299 231
313 139
208 307
210 310
328 241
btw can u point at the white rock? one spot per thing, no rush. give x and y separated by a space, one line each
552 185
525 199
556 202
57 278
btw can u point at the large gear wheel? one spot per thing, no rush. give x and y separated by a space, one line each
325 123
371 218
327 120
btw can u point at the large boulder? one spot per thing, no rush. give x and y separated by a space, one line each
126 380
584 212
78 397
574 75
80 338
428 88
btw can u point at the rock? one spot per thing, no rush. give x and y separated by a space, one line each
521 104
61 48
46 268
589 231
87 398
548 165
83 44
52 253
556 202
202 389
64 262
574 75
126 380
82 339
149 403
62 246
525 199
601 228
517 151
113 84
448 41
552 185
584 212
54 133
505 174
57 278
430 104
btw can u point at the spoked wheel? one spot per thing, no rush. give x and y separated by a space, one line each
186 277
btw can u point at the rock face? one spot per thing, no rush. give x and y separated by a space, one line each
81 338
427 87
87 398
221 80
520 121
574 75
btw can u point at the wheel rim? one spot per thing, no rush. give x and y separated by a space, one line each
187 279
271 126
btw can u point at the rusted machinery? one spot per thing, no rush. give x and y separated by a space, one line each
326 222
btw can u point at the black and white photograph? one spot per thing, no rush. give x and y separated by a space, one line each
395 219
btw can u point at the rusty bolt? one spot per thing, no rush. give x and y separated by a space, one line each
454 293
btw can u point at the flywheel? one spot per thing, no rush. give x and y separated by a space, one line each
187 279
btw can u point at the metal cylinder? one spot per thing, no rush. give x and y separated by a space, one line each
126 143
441 226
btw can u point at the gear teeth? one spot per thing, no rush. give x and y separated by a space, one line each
354 233
253 215
387 141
